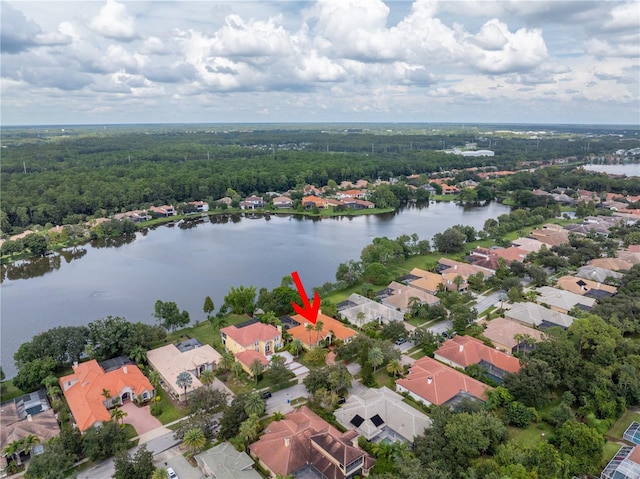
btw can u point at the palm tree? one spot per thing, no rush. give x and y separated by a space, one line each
184 381
256 368
195 440
254 404
139 355
318 329
395 368
309 328
296 347
13 450
376 357
160 473
226 361
207 377
28 443
317 354
236 369
118 414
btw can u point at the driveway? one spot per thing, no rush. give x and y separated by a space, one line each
140 418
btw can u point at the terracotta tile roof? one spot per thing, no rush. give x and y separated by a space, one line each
248 335
463 351
287 445
329 326
503 331
247 356
582 286
438 383
83 390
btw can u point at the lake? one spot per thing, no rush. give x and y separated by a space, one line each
187 264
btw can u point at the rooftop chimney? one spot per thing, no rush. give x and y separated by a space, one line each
429 380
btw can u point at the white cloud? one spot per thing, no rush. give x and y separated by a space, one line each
113 22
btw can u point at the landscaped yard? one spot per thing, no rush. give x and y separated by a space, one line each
531 435
617 430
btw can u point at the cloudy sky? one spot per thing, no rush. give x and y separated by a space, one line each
324 60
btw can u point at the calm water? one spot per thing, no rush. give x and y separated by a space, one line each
186 265
629 169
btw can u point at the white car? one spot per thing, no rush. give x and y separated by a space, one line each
172 473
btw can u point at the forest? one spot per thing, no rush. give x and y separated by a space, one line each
64 178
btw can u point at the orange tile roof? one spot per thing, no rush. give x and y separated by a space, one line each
463 351
248 335
438 383
84 393
329 326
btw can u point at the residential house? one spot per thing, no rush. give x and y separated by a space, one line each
85 390
381 415
25 415
563 301
463 351
431 382
162 211
597 274
585 287
510 336
305 445
624 465
359 310
282 202
201 206
533 314
401 297
252 202
190 356
225 462
331 329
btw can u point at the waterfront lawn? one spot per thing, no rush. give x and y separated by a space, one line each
621 425
9 391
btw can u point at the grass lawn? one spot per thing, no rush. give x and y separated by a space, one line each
617 430
9 391
531 435
170 410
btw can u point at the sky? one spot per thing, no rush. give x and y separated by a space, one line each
90 62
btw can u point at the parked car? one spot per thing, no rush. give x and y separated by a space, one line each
172 473
266 394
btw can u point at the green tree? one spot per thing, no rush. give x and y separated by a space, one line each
208 306
195 440
169 316
184 381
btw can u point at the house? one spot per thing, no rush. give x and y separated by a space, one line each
380 415
401 297
561 300
252 202
463 351
597 274
359 310
201 206
225 462
282 202
25 415
533 314
510 336
431 382
189 356
331 329
624 465
84 391
162 211
251 335
585 287
305 445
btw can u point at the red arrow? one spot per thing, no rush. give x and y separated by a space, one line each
309 311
